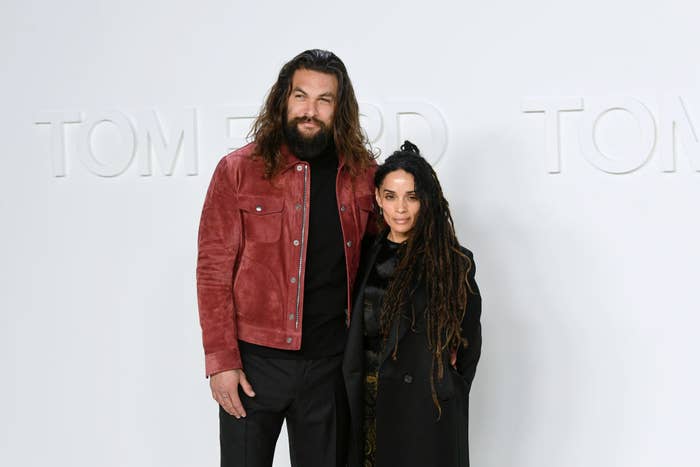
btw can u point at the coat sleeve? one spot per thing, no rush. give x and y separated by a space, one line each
219 245
468 357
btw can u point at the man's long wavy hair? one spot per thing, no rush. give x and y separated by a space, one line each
432 258
349 139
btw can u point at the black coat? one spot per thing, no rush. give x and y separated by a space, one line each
408 430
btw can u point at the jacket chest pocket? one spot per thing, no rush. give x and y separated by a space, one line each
365 208
261 217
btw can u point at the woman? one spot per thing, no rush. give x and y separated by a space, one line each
415 335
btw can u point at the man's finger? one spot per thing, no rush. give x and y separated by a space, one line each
245 385
227 404
237 405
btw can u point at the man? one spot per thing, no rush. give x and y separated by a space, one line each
279 247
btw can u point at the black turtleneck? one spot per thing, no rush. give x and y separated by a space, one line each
325 285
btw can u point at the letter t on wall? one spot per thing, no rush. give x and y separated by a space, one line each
551 106
57 119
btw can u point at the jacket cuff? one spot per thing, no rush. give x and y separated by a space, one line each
222 361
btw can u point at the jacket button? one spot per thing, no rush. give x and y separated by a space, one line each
300 168
407 378
258 208
296 242
342 208
297 206
291 316
289 340
293 280
349 243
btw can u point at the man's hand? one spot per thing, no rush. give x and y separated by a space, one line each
224 390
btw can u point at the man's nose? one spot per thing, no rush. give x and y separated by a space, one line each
310 110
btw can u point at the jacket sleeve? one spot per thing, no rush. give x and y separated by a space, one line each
468 357
219 245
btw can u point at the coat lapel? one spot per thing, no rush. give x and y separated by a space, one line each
354 352
398 330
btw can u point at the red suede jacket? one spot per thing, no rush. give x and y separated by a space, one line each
252 252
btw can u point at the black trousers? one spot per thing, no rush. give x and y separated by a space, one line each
309 394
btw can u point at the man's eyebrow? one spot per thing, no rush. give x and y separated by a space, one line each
298 89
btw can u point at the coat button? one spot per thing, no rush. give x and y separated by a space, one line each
291 316
297 206
408 379
300 168
296 242
289 340
349 243
258 208
293 280
342 208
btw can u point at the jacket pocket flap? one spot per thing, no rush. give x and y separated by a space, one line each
366 202
260 205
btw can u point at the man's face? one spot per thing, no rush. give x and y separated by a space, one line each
310 110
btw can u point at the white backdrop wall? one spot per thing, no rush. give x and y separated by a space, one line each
584 222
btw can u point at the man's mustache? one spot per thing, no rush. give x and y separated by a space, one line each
298 120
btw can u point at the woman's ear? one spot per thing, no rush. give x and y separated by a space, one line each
376 196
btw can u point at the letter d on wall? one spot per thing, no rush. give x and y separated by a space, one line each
432 116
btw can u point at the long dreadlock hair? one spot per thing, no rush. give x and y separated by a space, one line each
431 257
268 129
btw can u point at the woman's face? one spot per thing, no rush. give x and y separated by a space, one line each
400 205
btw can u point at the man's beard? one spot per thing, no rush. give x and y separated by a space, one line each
303 147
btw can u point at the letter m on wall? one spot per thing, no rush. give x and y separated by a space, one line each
677 126
167 137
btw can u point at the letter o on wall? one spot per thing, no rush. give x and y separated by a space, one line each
371 119
643 147
121 158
